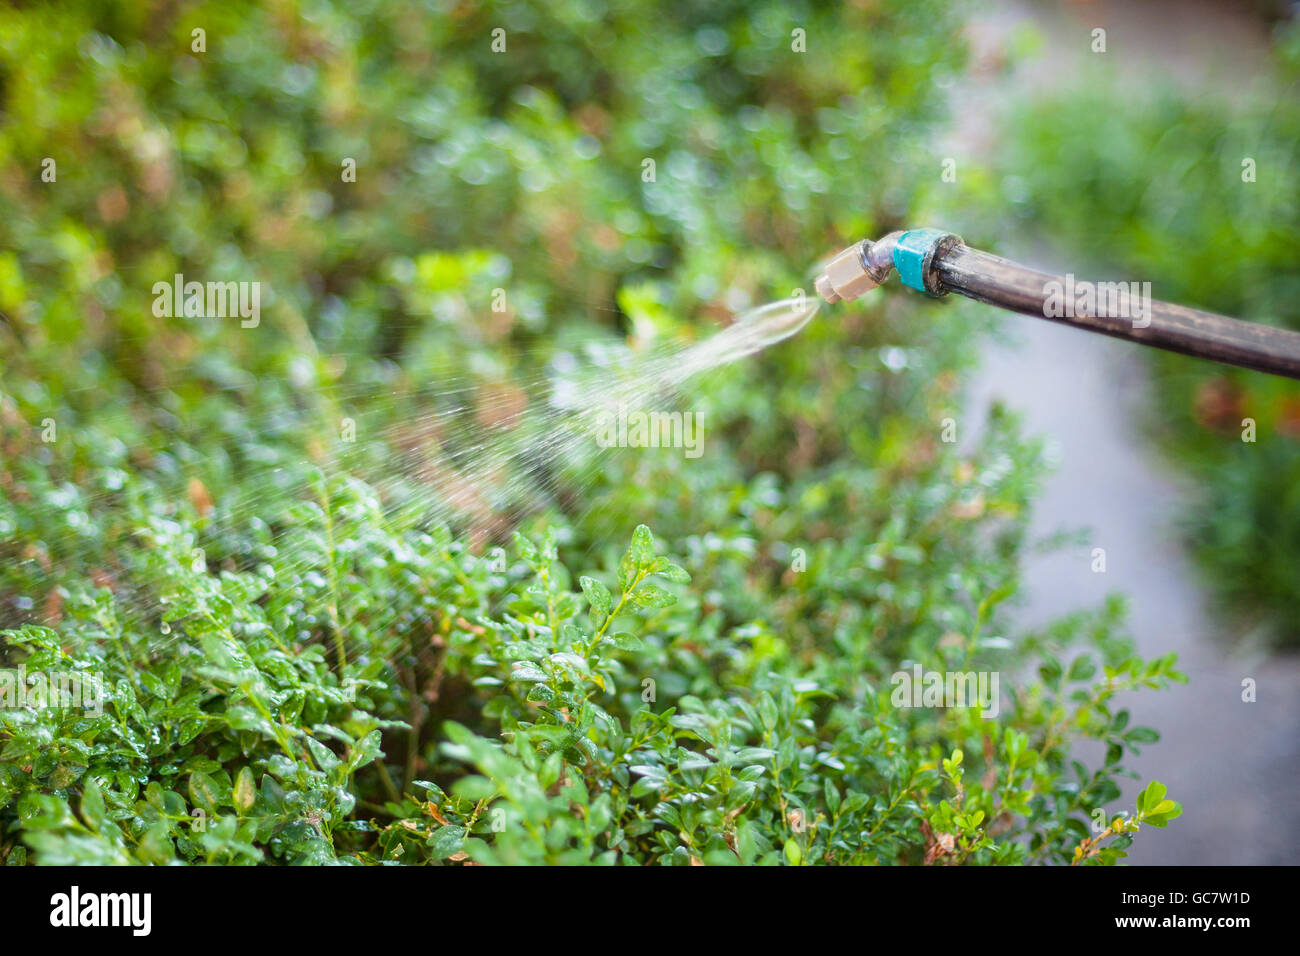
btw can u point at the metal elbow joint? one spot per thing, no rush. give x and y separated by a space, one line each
866 264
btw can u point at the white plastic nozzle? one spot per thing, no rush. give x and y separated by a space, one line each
845 277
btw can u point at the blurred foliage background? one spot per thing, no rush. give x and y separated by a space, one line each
475 171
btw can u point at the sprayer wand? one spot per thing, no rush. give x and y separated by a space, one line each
937 262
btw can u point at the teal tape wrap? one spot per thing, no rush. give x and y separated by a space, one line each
912 255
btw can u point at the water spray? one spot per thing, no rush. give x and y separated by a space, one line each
936 263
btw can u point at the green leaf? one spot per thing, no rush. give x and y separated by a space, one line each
1152 795
651 595
42 811
740 794
832 795
325 758
643 547
156 845
446 841
627 571
244 794
793 852
627 642
597 594
204 792
1082 669
365 751
672 572
92 808
992 600
527 671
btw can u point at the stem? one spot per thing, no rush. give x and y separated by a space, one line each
387 781
618 608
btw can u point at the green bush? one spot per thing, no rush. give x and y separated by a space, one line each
309 653
1196 195
235 742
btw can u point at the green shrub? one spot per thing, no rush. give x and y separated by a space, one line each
601 723
309 653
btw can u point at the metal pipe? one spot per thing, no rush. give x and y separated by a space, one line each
937 263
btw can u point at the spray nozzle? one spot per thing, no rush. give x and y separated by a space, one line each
858 269
846 276
866 264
